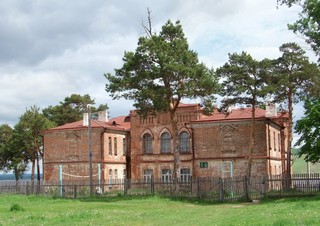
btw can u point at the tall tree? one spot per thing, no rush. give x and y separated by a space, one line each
308 23
5 135
71 109
159 74
309 129
11 154
244 83
294 77
29 138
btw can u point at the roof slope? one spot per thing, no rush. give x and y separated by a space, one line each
237 115
118 123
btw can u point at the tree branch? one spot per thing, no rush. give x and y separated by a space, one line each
148 28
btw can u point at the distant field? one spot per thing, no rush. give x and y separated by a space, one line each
32 210
300 166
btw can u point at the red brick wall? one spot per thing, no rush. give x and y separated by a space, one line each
156 125
70 149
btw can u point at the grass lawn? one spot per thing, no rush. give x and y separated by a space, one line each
154 211
300 166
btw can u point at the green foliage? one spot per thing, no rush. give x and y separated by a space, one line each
308 23
10 156
16 207
25 143
294 76
308 128
161 72
244 80
5 135
71 109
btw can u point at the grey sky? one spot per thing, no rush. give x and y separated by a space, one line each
52 48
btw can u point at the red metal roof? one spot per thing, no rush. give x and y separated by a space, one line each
118 123
237 115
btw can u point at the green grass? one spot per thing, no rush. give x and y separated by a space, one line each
300 166
155 211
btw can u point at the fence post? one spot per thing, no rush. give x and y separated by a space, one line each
152 185
125 185
38 187
198 187
27 188
75 191
221 192
263 186
245 188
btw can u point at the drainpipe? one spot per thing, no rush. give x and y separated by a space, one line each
269 147
193 154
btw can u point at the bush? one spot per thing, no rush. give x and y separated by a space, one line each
16 207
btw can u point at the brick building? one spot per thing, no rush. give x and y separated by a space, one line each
216 145
221 144
151 143
67 146
141 148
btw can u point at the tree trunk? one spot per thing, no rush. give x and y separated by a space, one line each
177 160
38 174
16 175
38 168
290 108
32 174
252 142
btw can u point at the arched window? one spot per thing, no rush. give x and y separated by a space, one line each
147 143
184 142
165 142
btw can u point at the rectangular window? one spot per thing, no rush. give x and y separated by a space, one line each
124 146
110 146
165 175
279 142
116 175
115 146
124 174
110 177
147 175
274 141
185 175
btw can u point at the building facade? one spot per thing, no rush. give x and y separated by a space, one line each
152 145
210 146
142 148
66 155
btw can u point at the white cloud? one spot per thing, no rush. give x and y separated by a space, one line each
51 49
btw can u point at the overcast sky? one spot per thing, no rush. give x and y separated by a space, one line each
51 49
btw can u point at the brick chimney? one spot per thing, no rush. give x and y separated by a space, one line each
85 121
103 116
271 110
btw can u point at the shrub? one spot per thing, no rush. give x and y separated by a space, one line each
16 207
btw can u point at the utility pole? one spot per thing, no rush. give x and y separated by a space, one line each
90 150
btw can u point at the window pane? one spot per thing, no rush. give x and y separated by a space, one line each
185 175
124 146
147 175
110 176
165 143
147 143
184 141
115 143
166 175
110 146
